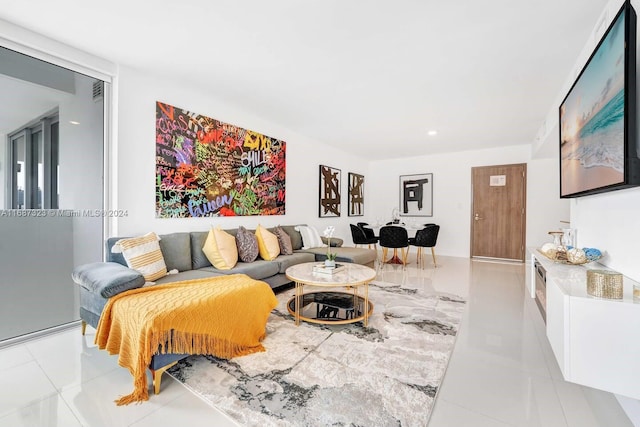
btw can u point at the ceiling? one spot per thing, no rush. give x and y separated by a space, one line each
370 77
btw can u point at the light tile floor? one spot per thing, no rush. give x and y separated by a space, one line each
502 371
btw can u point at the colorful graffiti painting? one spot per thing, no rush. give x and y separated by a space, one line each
205 167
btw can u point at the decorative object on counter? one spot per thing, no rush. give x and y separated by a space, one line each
576 256
568 238
604 284
557 237
568 255
636 293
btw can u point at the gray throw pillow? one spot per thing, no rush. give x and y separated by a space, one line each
107 278
247 244
286 248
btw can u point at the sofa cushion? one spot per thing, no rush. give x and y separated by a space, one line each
198 258
345 254
176 250
310 237
247 244
284 241
220 248
259 269
296 238
267 243
286 261
114 256
143 254
107 278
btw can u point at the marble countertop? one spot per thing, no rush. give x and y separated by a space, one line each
572 279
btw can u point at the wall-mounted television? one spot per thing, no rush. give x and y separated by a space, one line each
598 147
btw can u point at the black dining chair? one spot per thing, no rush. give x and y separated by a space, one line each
360 237
426 238
367 230
393 237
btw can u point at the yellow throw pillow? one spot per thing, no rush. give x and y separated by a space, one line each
144 255
268 245
220 249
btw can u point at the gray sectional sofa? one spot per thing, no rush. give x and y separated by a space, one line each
183 252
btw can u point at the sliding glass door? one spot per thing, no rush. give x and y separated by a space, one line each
52 149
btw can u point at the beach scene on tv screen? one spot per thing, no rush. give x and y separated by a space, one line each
592 120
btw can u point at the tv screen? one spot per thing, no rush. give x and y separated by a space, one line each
597 117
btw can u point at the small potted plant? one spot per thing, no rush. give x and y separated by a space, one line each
331 257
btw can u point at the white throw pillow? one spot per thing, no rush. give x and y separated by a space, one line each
144 255
310 237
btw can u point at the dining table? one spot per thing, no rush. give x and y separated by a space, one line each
412 229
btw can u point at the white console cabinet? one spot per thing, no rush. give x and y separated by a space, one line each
596 341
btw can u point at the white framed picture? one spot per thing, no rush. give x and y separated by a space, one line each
416 195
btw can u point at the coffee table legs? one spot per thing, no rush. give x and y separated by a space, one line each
356 300
298 302
366 305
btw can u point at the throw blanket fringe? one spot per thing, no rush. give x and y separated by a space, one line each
223 316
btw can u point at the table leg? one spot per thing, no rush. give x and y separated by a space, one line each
355 301
298 302
366 304
395 259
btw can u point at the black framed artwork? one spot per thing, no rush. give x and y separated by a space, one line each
416 195
329 203
356 195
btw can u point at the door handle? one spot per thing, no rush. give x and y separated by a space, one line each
477 217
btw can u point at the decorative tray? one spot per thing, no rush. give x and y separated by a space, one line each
569 255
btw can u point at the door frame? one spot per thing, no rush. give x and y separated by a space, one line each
523 216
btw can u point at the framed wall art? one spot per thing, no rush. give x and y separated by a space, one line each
356 195
205 168
329 192
416 195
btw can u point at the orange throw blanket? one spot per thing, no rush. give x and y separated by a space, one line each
223 316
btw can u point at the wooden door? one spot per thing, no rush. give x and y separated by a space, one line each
498 211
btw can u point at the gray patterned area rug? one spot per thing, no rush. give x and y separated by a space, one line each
386 374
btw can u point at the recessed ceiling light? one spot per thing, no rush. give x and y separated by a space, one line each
432 133
73 122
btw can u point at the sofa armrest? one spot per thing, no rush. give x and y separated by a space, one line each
335 241
107 278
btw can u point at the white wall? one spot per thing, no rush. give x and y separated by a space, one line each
545 209
135 169
451 190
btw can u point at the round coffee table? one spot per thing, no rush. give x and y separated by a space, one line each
326 305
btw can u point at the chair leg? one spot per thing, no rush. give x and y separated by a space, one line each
433 254
84 327
405 255
384 255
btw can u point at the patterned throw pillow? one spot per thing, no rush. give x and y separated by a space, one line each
267 244
220 249
286 248
247 245
310 237
143 254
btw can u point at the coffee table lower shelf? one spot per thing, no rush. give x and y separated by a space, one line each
331 308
